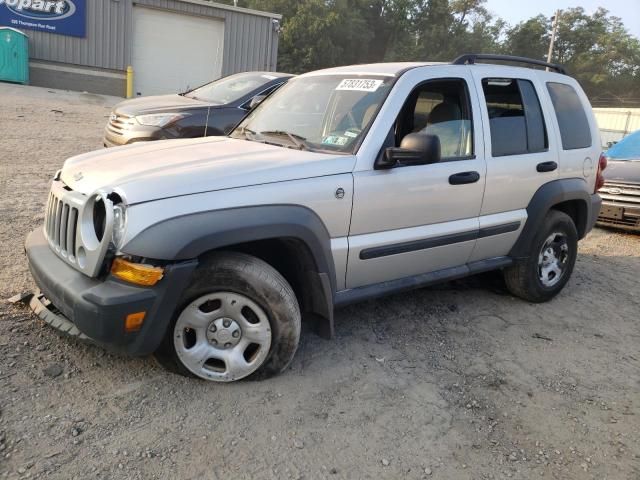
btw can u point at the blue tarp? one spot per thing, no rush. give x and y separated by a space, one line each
627 148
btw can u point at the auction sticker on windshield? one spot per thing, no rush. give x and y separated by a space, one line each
360 84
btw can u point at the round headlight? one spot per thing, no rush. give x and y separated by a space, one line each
119 225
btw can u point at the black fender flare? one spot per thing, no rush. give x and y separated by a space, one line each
546 197
189 236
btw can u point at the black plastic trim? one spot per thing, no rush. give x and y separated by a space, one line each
546 167
471 58
347 297
464 178
189 236
546 197
424 244
499 229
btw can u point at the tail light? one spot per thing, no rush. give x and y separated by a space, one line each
602 165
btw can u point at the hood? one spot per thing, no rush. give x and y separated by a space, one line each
157 104
152 170
626 171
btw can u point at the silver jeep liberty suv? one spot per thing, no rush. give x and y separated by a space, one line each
345 184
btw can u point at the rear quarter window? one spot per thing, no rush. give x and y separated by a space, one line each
572 120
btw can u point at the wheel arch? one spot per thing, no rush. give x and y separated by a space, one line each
292 239
570 196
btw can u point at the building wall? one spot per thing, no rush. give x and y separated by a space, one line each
97 63
106 43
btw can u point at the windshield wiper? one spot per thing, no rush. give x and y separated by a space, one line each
252 136
297 140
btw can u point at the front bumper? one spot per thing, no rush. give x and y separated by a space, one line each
625 216
97 308
132 134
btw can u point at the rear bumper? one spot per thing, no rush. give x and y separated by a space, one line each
97 308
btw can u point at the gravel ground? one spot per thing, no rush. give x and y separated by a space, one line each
461 381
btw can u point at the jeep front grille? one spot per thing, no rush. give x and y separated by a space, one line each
78 236
61 224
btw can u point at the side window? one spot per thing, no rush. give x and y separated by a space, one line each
441 108
574 126
515 117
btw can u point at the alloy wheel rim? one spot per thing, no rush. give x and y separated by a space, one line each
553 259
222 336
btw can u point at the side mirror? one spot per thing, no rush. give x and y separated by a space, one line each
415 149
255 101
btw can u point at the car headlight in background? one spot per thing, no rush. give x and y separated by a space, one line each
119 225
159 119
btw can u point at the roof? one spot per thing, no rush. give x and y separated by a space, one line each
15 30
394 69
385 69
231 8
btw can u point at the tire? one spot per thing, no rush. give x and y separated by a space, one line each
236 307
536 279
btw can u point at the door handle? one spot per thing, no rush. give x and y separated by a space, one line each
546 167
463 178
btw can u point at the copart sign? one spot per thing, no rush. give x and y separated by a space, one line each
63 17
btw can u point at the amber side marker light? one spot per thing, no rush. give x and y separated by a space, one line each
134 321
136 273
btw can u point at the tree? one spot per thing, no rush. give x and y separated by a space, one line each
529 38
324 33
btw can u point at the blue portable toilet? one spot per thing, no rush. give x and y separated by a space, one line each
14 56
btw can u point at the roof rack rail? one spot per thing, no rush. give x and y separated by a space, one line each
470 59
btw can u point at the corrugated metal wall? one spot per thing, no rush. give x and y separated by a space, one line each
108 31
250 43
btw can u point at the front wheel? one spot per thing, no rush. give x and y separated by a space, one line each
550 264
239 319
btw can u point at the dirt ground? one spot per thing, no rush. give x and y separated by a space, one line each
460 381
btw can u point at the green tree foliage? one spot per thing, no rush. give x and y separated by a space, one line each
323 33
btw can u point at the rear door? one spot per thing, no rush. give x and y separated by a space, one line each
520 150
412 220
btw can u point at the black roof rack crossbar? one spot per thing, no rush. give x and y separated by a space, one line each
470 59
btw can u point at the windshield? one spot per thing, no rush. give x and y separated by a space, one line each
626 149
231 88
320 112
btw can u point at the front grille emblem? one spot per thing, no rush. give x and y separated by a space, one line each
113 117
614 191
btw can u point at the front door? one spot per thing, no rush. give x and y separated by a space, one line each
417 219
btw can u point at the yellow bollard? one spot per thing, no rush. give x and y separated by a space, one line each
129 81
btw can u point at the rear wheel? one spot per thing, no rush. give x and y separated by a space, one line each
544 274
239 319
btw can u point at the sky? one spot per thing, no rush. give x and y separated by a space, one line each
514 11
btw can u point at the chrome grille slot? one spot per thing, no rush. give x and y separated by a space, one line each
73 230
118 123
61 226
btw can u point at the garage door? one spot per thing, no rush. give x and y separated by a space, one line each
173 53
